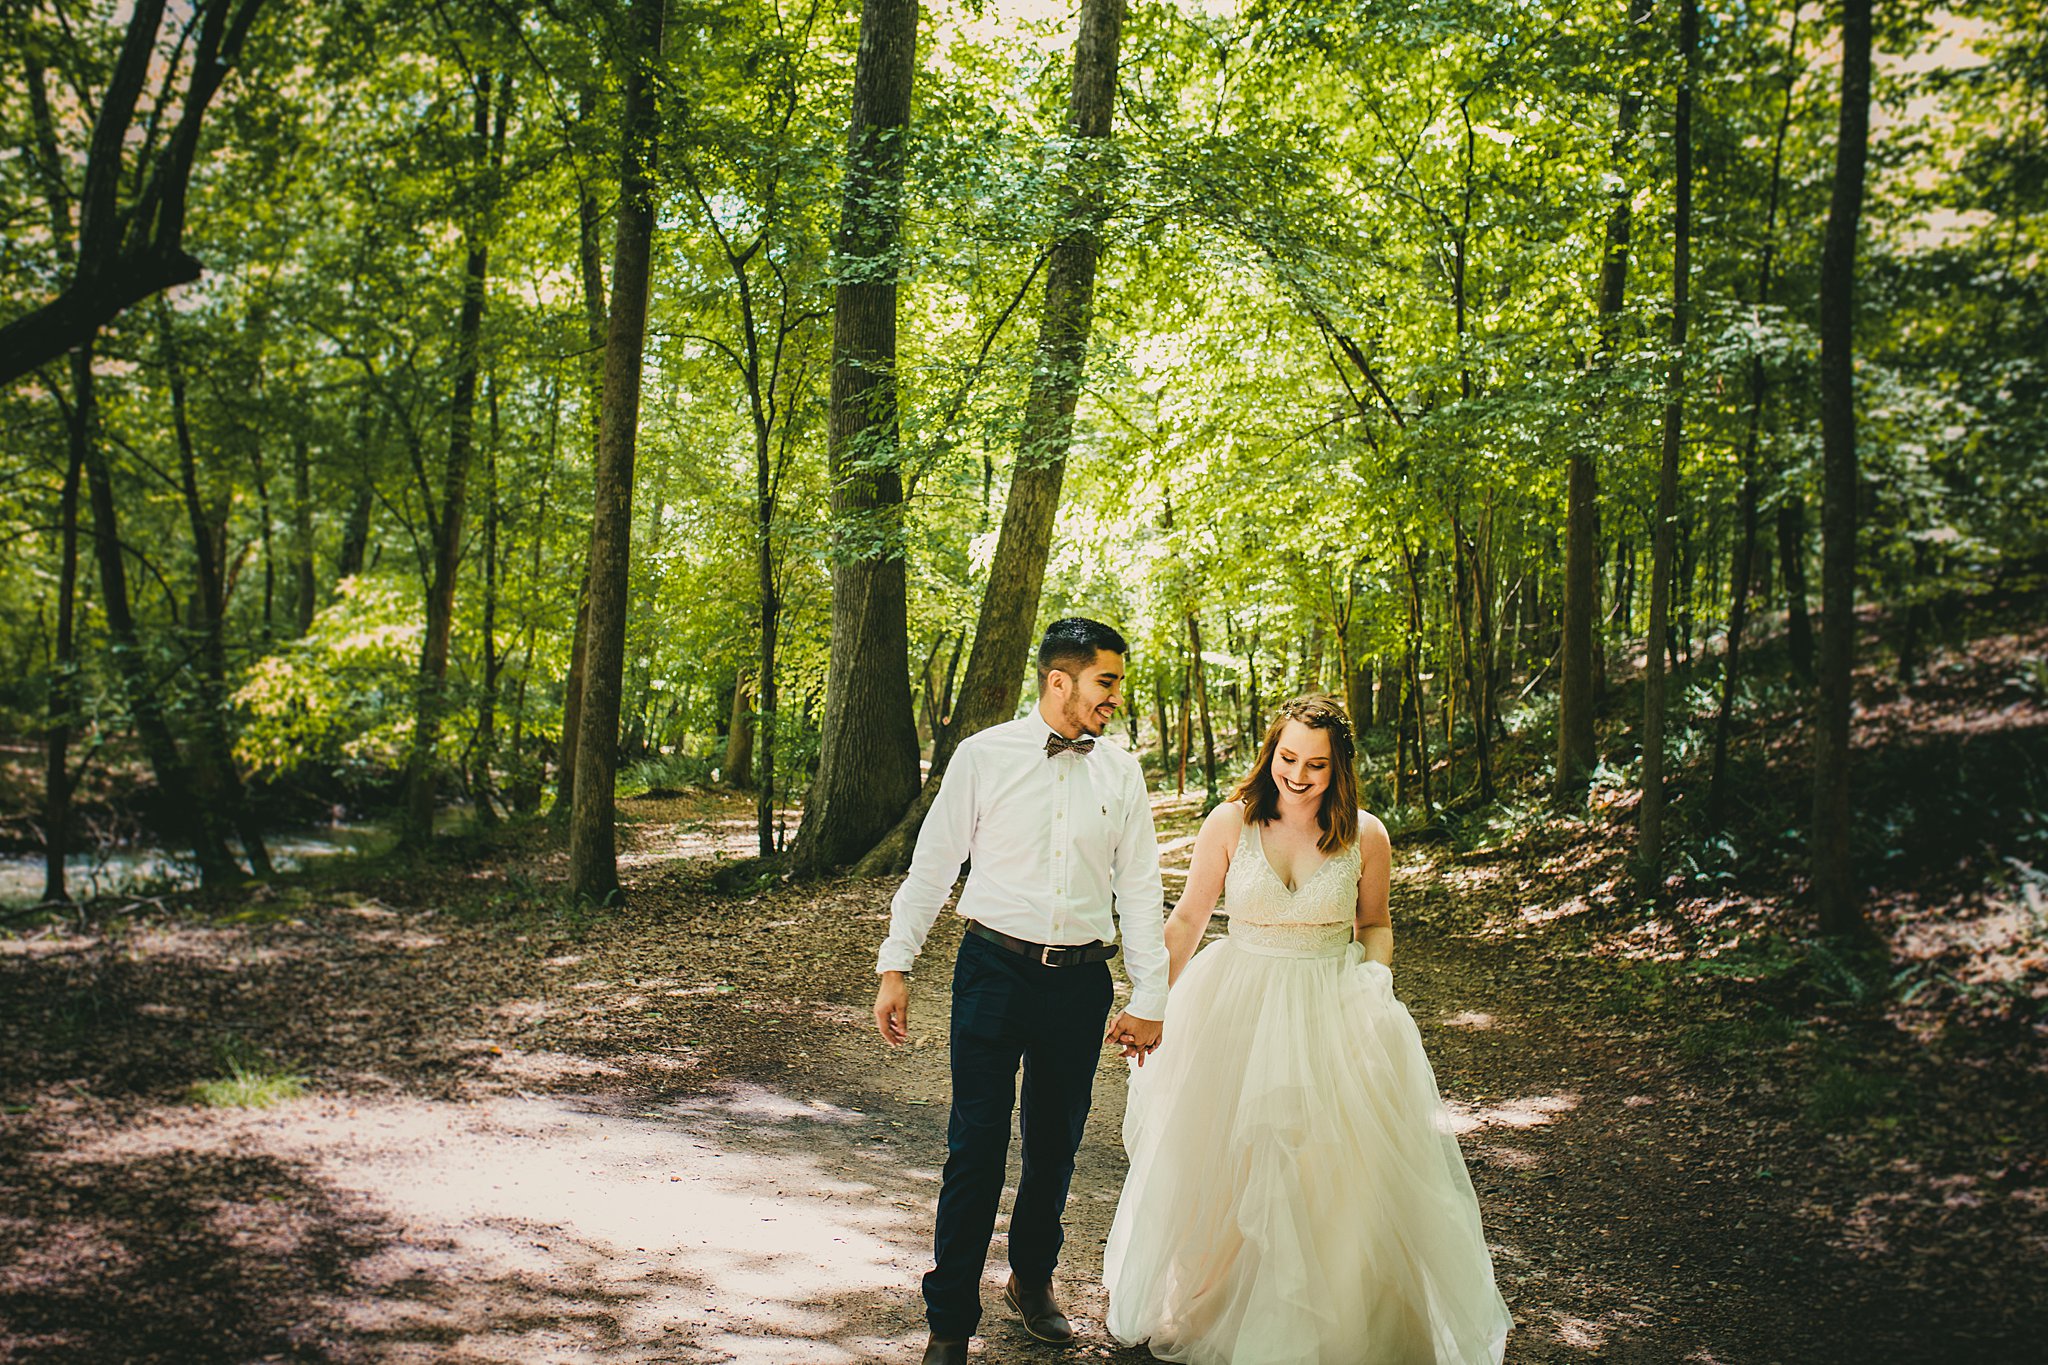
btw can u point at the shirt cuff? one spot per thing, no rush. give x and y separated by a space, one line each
1147 1005
892 959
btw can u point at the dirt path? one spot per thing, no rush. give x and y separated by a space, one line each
670 1135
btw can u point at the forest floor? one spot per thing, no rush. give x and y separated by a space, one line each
670 1134
502 1131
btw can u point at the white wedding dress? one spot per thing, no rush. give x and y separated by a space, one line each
1295 1194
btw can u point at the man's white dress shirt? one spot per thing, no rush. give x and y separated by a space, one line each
1063 853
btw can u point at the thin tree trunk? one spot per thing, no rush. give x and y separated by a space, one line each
867 747
64 662
79 416
1417 702
1478 556
481 785
1836 896
593 849
771 617
1402 747
1360 699
1253 730
1202 699
355 534
305 586
218 781
1580 661
590 270
1187 739
1650 809
265 515
1792 569
739 740
1009 605
572 708
446 527
1159 720
187 817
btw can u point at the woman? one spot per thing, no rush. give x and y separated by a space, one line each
1295 1195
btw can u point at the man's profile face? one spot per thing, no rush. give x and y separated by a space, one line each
1092 695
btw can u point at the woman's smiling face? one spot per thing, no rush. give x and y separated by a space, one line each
1301 763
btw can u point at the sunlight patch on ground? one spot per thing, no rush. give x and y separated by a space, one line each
1592 1334
1564 909
1506 1158
1531 1111
1472 1019
559 1228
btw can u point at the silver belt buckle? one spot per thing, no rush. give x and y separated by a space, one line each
1045 955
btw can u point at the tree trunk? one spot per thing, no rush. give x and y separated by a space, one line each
484 758
1650 809
867 749
739 740
64 660
590 270
305 587
78 431
1202 700
1187 738
355 533
1579 661
1009 604
593 851
1792 569
446 528
219 783
187 817
1159 720
1748 498
771 617
1834 884
1255 724
1417 707
1478 556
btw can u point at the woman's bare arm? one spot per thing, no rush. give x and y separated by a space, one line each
1370 924
1213 846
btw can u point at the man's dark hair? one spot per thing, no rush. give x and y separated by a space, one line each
1071 642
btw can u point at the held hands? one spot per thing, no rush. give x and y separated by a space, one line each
1134 1037
892 1008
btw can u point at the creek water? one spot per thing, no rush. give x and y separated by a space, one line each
150 870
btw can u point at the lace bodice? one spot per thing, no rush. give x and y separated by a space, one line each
1312 919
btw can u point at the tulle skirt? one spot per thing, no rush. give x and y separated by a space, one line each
1296 1196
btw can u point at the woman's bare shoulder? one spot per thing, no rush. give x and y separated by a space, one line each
1227 816
1372 834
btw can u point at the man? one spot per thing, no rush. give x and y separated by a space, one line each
1059 828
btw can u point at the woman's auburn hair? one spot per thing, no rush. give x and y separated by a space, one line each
1339 814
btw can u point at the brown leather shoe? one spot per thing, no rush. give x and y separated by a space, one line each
1042 1317
946 1351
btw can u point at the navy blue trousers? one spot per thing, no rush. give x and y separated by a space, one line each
1009 1010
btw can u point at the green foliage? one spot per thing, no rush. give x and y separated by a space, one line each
664 773
1345 338
340 696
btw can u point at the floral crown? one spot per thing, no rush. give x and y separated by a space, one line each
1318 711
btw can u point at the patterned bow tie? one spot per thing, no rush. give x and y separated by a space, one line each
1057 743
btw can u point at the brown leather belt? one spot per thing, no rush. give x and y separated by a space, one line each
1046 954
